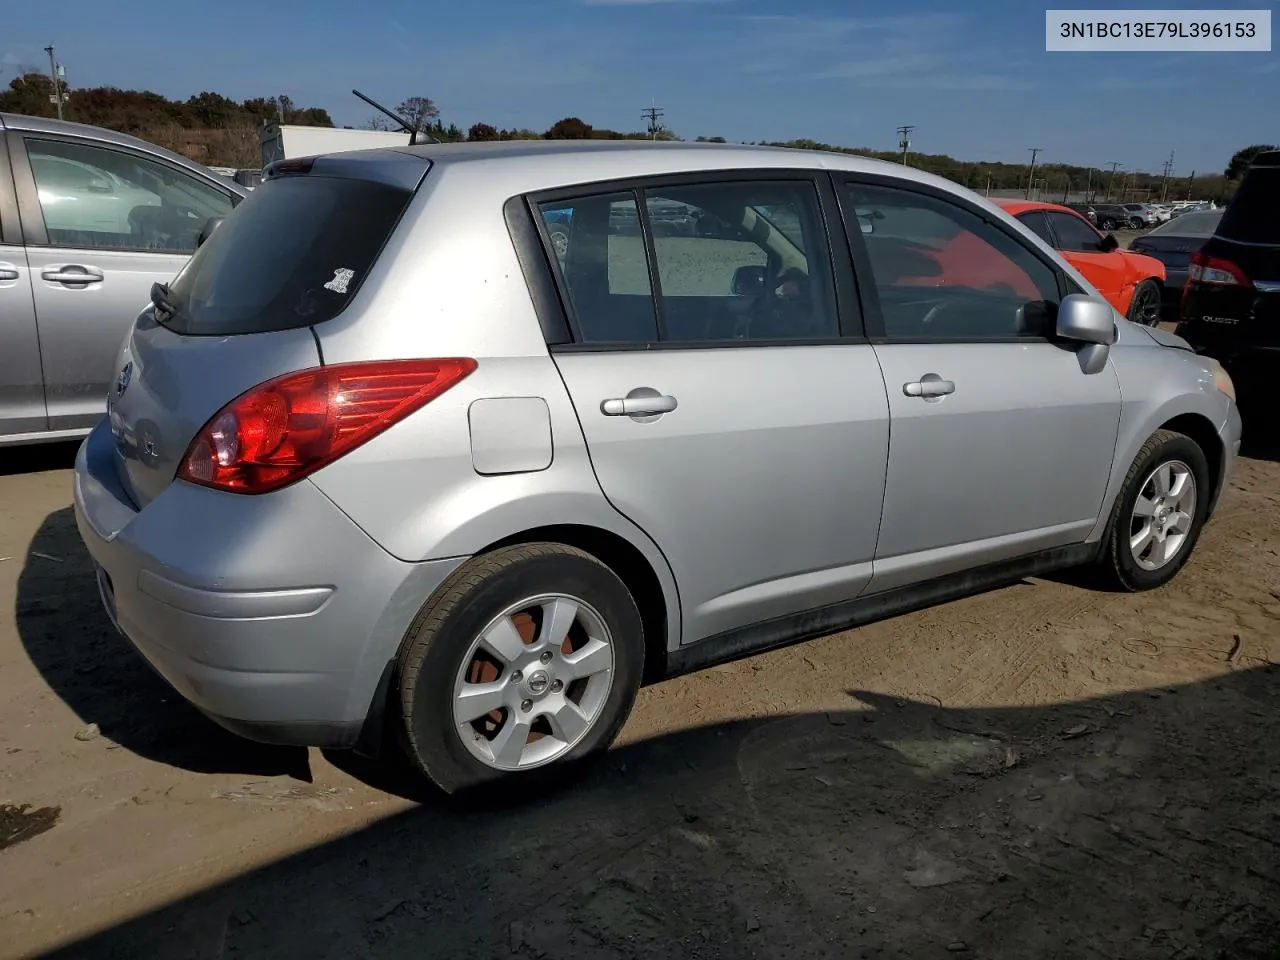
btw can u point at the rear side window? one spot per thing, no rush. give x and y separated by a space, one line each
292 254
1253 215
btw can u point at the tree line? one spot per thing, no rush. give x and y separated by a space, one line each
219 131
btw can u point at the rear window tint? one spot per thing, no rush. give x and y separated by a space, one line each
1254 213
292 254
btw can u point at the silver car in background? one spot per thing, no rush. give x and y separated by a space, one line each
386 455
89 219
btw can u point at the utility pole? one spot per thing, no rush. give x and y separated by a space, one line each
1066 189
988 184
1164 180
54 70
1191 184
1088 186
1035 152
904 140
1111 184
653 114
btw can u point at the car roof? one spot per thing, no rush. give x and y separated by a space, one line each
28 124
1015 206
530 165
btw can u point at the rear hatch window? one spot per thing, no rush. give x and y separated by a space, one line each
1253 215
292 254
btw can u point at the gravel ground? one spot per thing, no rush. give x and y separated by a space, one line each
1041 771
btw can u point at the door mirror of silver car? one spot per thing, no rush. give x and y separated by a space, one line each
1087 320
1109 243
748 282
206 231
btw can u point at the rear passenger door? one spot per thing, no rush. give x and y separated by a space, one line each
731 407
1001 443
101 223
21 384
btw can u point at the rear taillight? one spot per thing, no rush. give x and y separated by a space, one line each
1215 270
282 430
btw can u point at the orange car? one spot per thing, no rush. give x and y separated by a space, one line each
1130 281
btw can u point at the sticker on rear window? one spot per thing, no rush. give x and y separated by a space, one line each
341 277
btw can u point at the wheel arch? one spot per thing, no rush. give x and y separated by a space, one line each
1200 429
657 613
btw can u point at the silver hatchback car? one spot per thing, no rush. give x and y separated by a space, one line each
386 454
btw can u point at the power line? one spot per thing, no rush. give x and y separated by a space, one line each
653 114
1035 152
904 140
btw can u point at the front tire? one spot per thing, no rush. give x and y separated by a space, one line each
1158 516
525 664
1144 305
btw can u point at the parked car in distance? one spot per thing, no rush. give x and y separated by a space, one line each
89 219
1112 216
1231 300
1085 210
1131 282
1172 244
1141 215
645 456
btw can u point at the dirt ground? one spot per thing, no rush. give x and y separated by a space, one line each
1041 771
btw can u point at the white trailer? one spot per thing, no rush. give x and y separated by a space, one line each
282 141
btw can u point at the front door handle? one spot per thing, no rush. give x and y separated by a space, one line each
72 273
640 402
930 386
9 272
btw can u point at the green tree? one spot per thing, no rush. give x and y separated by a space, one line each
481 132
570 128
1241 159
419 111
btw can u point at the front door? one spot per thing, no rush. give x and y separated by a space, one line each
102 224
723 411
1001 443
1082 245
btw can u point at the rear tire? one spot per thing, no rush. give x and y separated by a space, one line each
1144 305
544 634
1158 516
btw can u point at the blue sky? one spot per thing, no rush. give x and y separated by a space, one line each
975 80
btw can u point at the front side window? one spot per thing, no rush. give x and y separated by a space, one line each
1074 235
1035 221
731 261
96 197
944 273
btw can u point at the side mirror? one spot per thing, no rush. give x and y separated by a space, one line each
748 282
1109 243
206 231
1086 320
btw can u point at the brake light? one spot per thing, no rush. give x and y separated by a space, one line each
282 430
1215 270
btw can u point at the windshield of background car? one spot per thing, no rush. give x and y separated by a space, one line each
1254 213
1189 225
292 254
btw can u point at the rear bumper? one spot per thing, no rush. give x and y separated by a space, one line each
275 615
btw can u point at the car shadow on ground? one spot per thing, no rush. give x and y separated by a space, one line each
1142 825
99 675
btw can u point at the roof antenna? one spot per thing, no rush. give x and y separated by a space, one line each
405 125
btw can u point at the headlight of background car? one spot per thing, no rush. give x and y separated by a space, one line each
1222 379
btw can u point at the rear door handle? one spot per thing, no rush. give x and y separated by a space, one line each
72 273
9 272
929 386
641 402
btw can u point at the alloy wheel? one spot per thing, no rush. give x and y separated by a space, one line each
1163 515
534 682
1146 306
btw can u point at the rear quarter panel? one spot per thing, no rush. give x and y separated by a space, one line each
449 284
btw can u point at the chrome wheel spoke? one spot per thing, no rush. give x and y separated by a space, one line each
568 722
478 699
1179 485
595 657
557 617
508 746
503 640
1144 507
1181 524
1162 479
